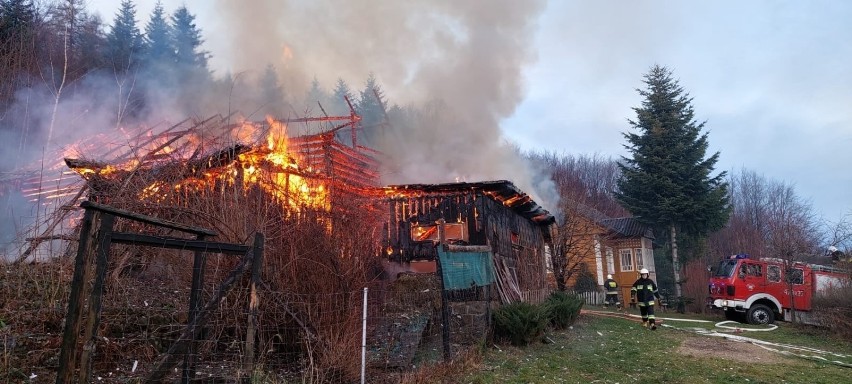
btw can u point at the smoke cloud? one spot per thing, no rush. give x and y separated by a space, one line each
460 63
455 66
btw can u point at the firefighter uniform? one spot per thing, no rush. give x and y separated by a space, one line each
611 291
644 291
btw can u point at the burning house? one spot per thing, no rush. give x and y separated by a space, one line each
328 227
307 194
176 165
494 214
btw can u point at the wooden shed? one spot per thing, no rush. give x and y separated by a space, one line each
491 213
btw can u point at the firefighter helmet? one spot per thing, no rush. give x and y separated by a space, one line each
608 276
644 271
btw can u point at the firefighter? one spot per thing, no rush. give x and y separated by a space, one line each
837 255
644 292
611 292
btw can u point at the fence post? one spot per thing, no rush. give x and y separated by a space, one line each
198 262
93 316
364 340
445 307
73 317
257 261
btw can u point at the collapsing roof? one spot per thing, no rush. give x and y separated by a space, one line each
501 190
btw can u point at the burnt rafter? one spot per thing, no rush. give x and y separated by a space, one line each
217 159
501 190
492 216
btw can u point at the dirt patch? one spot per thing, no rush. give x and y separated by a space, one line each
717 347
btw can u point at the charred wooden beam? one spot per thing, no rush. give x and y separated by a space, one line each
84 164
90 205
217 159
177 243
52 237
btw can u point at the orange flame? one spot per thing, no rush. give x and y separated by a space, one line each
271 167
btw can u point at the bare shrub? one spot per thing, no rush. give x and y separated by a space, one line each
695 278
833 310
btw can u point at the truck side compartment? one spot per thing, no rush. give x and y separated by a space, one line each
761 291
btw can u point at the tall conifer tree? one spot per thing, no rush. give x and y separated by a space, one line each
667 182
338 100
157 37
124 41
370 107
187 40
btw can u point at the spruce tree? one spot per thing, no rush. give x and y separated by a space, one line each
189 68
158 45
317 95
341 92
339 107
124 41
271 93
186 40
370 107
667 182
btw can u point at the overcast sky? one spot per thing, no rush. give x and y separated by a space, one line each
772 79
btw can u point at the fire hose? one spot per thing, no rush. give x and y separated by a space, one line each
784 349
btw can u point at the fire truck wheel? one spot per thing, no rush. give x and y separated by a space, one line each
760 314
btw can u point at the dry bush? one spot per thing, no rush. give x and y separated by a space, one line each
316 260
695 278
833 310
32 307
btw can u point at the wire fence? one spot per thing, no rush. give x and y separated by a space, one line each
314 337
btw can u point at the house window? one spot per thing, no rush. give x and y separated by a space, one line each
626 260
610 260
640 258
548 259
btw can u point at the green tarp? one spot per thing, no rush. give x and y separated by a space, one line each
463 270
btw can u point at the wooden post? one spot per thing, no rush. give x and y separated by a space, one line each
445 305
256 263
93 315
189 360
68 352
181 345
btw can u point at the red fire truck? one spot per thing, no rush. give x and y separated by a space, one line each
758 291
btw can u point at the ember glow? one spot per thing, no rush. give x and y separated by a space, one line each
277 171
266 162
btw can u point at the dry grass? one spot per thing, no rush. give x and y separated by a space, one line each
316 258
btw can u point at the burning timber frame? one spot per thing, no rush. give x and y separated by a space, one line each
347 169
493 213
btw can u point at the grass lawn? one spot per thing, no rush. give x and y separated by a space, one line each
600 349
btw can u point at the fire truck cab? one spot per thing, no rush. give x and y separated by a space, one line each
758 291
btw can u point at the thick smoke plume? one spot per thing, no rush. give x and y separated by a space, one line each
454 68
459 63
